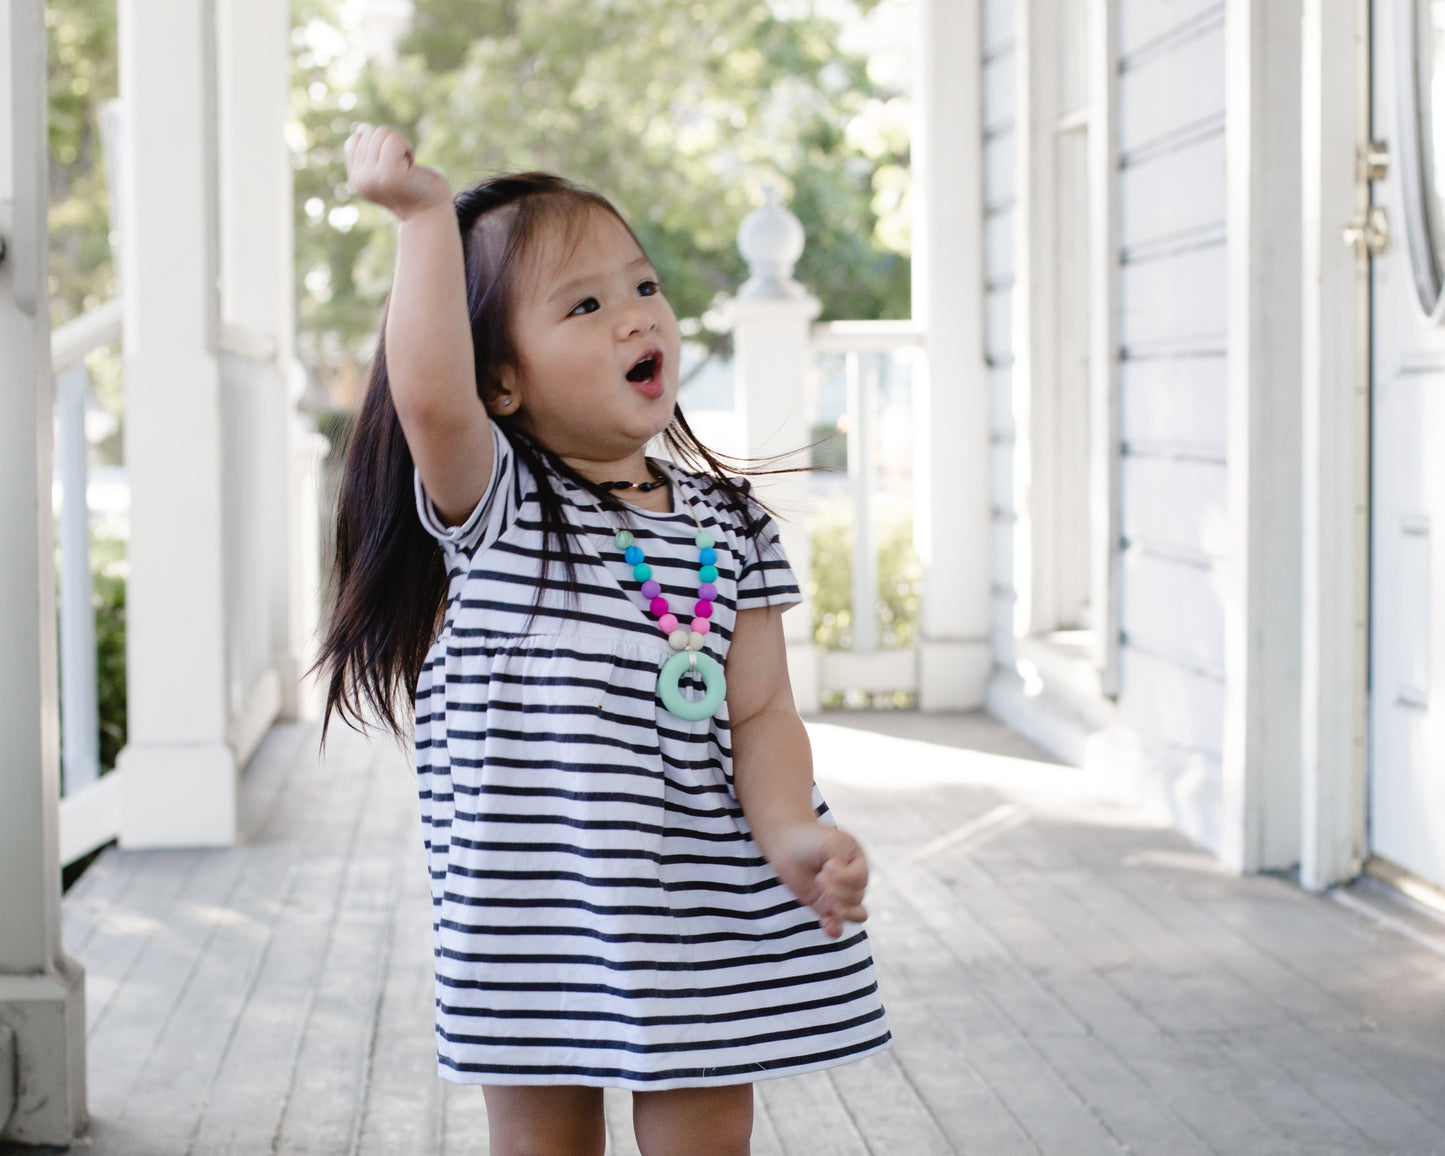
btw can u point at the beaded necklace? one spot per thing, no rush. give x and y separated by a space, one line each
687 642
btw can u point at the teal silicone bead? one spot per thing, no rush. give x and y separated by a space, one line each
707 555
715 684
624 539
704 539
642 571
707 574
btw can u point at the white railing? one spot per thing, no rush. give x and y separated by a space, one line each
876 359
90 810
253 473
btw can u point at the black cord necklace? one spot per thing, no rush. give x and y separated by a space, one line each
659 480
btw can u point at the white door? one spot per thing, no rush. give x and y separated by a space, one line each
1407 564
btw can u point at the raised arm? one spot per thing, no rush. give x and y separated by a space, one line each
429 358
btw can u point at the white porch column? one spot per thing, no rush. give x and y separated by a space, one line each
771 318
1261 789
952 524
258 300
1334 598
180 774
42 992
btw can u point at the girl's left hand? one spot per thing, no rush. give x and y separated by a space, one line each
826 869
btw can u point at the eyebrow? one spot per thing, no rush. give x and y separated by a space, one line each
568 288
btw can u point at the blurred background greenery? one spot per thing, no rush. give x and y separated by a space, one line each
681 111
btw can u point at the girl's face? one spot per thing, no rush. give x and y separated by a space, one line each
597 344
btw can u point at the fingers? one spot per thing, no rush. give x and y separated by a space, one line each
842 881
377 160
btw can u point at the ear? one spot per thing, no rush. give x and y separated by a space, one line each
505 400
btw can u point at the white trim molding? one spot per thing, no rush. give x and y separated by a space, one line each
1261 787
1335 402
1104 346
952 516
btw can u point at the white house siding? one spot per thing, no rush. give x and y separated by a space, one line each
998 64
1172 390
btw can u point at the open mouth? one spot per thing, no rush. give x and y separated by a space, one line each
646 369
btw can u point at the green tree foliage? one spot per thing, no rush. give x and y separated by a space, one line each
82 74
680 112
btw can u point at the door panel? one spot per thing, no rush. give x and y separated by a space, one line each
1407 637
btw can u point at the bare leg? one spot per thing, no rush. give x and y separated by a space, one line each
545 1121
694 1121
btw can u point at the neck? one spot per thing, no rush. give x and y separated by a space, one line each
632 468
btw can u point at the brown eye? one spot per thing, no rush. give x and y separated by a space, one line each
589 305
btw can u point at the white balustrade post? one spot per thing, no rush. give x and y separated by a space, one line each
258 298
42 992
179 785
80 746
771 317
952 512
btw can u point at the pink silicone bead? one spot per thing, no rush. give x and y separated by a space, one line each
667 623
707 590
703 609
659 606
701 625
651 588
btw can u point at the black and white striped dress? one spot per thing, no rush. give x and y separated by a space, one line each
601 915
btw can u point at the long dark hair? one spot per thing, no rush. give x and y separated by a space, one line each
389 583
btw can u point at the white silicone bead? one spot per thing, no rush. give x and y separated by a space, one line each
694 640
678 639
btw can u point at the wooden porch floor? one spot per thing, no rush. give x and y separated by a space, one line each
1062 977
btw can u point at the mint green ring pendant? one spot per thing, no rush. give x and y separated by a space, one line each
712 678
686 643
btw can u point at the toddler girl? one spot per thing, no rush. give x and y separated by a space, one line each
634 881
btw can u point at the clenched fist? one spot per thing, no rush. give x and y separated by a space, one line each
825 868
381 167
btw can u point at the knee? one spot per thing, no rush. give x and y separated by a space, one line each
544 1121
695 1122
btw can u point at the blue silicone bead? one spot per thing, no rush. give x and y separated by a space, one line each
704 539
707 574
707 555
623 539
634 555
642 571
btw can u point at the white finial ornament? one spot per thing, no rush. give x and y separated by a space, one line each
771 241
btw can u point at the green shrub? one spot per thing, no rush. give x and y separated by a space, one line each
107 563
107 573
831 588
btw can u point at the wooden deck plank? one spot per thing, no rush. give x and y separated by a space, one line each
464 1121
256 1077
808 1116
887 1109
1136 1028
403 1107
104 884
143 1001
175 1084
1297 1002
328 1093
1062 977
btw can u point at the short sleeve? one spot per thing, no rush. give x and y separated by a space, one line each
766 579
484 525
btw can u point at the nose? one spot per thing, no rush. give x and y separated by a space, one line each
635 318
